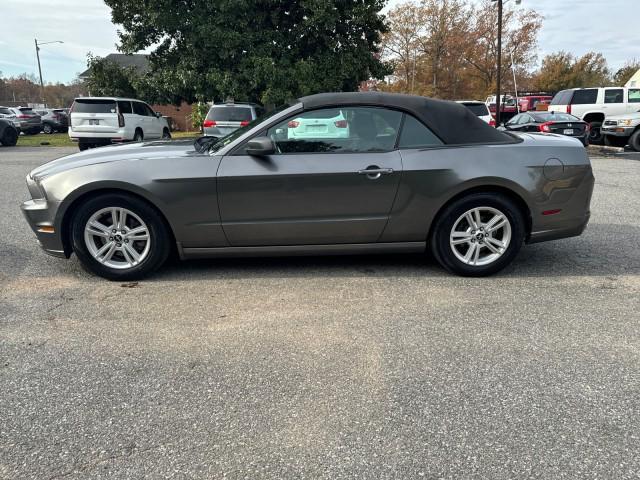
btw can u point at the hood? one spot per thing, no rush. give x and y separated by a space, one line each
116 153
625 116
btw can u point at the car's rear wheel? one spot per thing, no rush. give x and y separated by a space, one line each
634 141
166 134
138 136
119 237
478 235
9 137
48 129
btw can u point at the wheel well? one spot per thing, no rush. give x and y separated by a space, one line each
517 199
71 210
594 117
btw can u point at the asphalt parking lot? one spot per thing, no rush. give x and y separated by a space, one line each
346 367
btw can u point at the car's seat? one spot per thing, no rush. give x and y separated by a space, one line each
363 127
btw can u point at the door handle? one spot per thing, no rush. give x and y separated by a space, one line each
375 172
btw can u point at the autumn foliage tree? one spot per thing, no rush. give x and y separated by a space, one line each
562 70
449 47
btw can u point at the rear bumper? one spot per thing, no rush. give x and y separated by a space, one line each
573 228
96 137
40 213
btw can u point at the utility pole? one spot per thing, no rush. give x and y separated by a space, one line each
39 71
499 75
39 67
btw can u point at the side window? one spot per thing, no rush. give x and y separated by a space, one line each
586 96
124 107
150 112
139 108
524 119
416 135
338 130
634 95
614 95
515 120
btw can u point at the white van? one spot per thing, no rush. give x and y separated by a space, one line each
593 105
97 121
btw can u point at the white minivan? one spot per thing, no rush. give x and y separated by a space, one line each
97 121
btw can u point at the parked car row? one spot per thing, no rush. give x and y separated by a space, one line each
31 122
611 112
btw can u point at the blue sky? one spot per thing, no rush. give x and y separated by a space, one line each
578 26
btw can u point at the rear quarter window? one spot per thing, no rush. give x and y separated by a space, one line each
587 96
416 135
478 109
563 97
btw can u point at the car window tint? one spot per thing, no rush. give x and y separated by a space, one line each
478 109
338 130
417 135
524 119
634 95
585 97
224 113
6 111
614 95
94 106
124 107
139 108
514 120
150 112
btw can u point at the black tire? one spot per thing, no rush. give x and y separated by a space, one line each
166 134
138 136
83 146
595 134
9 137
159 238
441 231
634 141
611 141
48 129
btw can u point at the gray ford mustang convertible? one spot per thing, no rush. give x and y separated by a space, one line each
333 173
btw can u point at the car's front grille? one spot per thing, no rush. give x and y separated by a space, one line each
610 122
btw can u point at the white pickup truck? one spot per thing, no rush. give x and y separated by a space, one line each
594 105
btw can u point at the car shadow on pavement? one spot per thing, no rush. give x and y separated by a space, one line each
603 250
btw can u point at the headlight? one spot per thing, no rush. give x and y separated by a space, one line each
625 123
35 189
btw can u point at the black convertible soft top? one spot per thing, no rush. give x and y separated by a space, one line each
454 123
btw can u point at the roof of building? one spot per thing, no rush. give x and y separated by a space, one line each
139 61
452 122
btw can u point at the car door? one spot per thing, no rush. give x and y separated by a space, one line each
332 182
142 119
155 126
633 100
614 102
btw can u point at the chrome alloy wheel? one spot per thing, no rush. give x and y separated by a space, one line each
480 236
117 238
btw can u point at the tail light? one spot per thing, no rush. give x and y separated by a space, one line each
341 124
569 109
71 109
492 122
23 116
209 123
545 127
120 120
244 123
293 124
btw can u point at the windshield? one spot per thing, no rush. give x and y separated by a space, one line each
216 143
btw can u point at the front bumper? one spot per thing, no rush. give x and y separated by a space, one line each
617 131
40 216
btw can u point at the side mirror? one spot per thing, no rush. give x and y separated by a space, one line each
158 114
260 147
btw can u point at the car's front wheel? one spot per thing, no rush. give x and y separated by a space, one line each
9 137
634 141
119 237
478 235
48 129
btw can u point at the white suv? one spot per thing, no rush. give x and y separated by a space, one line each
97 121
593 105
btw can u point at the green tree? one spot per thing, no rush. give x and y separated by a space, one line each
256 50
623 75
109 79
